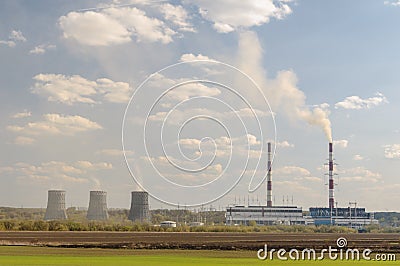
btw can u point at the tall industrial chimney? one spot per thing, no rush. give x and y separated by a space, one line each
55 205
97 206
139 207
331 182
269 177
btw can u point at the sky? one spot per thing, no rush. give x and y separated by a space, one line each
180 98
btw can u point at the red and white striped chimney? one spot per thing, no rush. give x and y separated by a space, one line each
331 182
269 177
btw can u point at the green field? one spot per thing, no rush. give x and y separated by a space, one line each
63 256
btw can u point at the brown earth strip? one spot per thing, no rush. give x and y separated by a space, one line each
199 241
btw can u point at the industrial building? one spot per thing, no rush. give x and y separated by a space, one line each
97 206
293 215
266 215
350 217
55 205
139 207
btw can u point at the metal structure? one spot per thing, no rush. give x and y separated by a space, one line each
349 217
97 206
331 180
269 177
139 207
55 205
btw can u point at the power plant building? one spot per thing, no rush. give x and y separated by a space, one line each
266 215
292 215
139 210
97 206
55 205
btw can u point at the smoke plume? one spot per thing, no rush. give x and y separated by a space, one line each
282 92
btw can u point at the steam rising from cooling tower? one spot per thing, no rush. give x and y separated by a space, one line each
282 92
56 205
139 207
97 206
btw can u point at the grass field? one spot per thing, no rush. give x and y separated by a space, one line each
62 256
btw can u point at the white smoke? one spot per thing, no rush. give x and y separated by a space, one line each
281 92
96 184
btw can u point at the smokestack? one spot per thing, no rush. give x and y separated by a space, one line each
97 206
330 174
269 177
139 207
56 205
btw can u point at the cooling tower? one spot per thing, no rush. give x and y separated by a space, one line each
56 205
97 206
139 207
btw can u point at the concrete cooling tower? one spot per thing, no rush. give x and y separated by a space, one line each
97 206
56 205
139 207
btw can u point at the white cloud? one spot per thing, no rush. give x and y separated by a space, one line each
392 3
8 43
114 152
76 89
14 37
23 141
342 143
358 174
56 124
17 36
357 103
392 151
178 16
116 26
358 157
284 144
55 171
41 49
94 29
22 114
192 57
290 171
230 15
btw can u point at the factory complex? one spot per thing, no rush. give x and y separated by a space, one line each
352 216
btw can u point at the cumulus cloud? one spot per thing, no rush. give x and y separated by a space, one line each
192 57
22 114
227 15
41 49
360 174
17 36
14 37
76 89
357 103
392 151
56 124
284 144
120 25
114 152
290 171
392 3
178 16
358 157
57 171
342 143
23 141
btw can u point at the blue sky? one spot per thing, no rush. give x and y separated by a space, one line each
68 70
